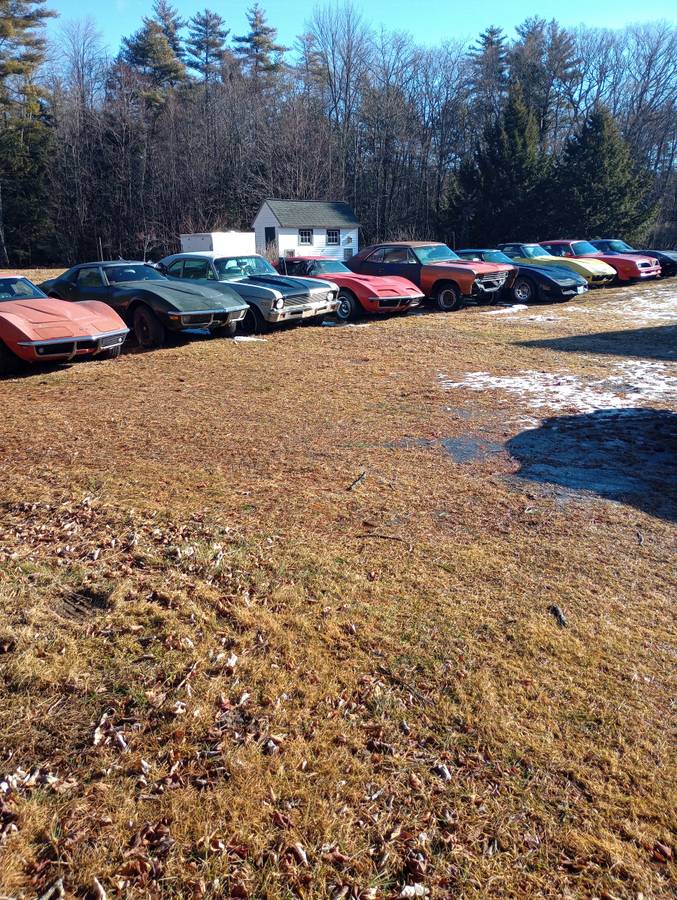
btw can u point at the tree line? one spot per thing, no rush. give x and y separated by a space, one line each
552 132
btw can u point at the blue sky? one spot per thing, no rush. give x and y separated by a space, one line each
429 21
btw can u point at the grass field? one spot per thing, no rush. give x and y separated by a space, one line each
280 618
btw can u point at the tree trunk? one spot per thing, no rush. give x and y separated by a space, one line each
4 258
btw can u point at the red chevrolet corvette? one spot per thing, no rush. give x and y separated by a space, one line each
357 293
36 327
628 268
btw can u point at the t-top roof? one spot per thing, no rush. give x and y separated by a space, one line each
313 213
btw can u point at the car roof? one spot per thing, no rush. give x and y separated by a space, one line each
207 254
563 241
406 244
107 263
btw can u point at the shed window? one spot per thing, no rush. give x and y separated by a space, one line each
333 237
306 236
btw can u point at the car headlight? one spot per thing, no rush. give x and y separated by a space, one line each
279 303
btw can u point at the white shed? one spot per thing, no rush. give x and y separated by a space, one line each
307 228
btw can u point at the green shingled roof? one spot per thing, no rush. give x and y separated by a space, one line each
313 214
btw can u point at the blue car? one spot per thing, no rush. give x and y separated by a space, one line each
534 283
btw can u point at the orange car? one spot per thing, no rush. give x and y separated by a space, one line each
440 273
36 327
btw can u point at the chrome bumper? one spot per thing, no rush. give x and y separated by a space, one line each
69 347
305 311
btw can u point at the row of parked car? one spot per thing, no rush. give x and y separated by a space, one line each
224 294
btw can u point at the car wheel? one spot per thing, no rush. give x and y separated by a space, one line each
228 330
8 361
448 297
254 323
149 330
347 306
524 290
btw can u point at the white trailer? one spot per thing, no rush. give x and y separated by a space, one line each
229 243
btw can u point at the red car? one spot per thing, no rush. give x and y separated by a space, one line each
36 327
628 268
357 293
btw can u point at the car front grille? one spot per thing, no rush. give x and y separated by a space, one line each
491 282
65 349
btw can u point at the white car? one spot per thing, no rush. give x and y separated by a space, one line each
272 298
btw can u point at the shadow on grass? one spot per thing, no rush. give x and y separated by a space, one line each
659 342
627 455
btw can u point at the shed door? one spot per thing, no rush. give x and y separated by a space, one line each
269 237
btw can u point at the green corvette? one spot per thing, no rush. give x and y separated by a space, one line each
151 303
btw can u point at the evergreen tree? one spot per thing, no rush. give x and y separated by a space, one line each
489 71
505 182
596 190
150 54
171 23
206 44
22 129
257 50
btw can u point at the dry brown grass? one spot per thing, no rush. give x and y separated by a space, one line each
289 703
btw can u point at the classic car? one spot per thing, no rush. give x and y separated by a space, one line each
667 259
272 298
34 327
627 268
595 272
533 282
435 268
357 293
150 302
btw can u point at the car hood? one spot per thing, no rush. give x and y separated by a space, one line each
378 285
615 257
560 274
186 297
671 254
49 319
287 285
479 268
586 266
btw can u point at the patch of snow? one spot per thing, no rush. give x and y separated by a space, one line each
516 307
345 324
631 384
241 338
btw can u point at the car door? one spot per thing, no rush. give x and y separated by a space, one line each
401 262
90 285
373 264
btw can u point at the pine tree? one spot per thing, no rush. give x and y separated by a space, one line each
489 72
150 54
505 182
257 50
596 190
171 23
22 130
206 44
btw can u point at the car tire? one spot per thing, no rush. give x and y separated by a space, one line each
148 329
348 306
9 363
524 290
224 331
448 297
254 323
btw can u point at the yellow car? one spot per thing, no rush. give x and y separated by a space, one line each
595 272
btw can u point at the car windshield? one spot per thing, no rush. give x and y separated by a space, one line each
582 248
329 267
531 251
618 246
241 266
132 272
435 253
17 288
494 256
